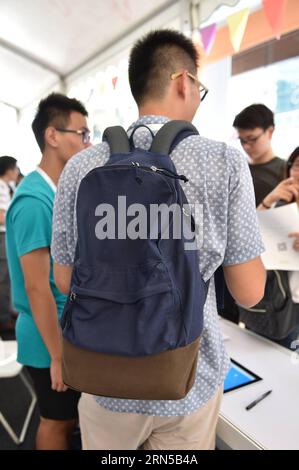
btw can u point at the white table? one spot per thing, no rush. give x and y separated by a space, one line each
274 422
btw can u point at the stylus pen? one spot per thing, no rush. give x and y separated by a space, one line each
255 402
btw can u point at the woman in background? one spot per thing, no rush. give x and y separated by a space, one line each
287 192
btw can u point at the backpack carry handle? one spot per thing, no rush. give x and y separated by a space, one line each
117 139
170 135
135 129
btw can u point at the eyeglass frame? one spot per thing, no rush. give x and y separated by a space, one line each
251 140
176 75
81 132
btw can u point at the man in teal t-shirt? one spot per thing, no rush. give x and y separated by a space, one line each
60 128
29 225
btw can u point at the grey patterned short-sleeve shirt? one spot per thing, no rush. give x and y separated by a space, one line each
220 180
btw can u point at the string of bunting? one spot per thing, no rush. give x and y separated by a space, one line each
237 22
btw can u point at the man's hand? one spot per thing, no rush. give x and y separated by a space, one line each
56 376
287 190
296 241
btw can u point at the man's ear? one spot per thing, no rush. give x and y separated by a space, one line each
180 85
271 130
51 137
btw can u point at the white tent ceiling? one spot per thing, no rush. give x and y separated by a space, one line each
44 41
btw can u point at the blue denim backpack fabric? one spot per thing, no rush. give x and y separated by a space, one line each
133 320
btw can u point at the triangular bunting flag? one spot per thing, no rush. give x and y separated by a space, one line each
208 36
237 25
114 82
274 11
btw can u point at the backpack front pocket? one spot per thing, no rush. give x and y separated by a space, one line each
115 318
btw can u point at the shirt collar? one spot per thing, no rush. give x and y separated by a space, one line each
153 120
47 179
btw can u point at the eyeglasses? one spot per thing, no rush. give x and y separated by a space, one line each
202 89
250 140
85 133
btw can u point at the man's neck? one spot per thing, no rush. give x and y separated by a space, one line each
265 158
161 109
51 166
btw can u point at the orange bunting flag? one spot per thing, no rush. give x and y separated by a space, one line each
237 25
274 11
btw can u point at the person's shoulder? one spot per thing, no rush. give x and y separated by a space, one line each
4 189
28 208
28 202
280 161
3 185
86 157
29 182
203 143
213 149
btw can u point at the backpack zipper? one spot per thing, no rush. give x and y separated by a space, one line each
163 171
152 169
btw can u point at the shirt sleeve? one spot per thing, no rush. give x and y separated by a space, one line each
244 241
62 247
31 225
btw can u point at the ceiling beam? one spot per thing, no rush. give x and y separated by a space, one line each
10 105
29 57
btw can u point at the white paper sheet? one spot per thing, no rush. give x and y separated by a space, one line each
275 225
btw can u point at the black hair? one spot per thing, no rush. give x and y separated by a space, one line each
7 163
154 58
54 110
291 160
256 115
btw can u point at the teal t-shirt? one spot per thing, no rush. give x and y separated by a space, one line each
29 227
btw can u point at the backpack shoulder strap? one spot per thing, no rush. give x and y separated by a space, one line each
117 139
170 135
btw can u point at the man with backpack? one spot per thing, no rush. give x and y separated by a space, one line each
174 293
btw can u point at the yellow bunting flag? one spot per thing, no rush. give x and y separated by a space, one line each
237 24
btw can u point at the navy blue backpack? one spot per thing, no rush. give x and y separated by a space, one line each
133 320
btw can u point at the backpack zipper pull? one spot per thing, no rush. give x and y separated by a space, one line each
169 173
73 296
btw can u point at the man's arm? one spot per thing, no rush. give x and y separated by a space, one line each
62 277
36 271
2 217
62 253
246 282
244 271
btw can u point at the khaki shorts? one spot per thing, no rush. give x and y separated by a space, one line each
102 429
